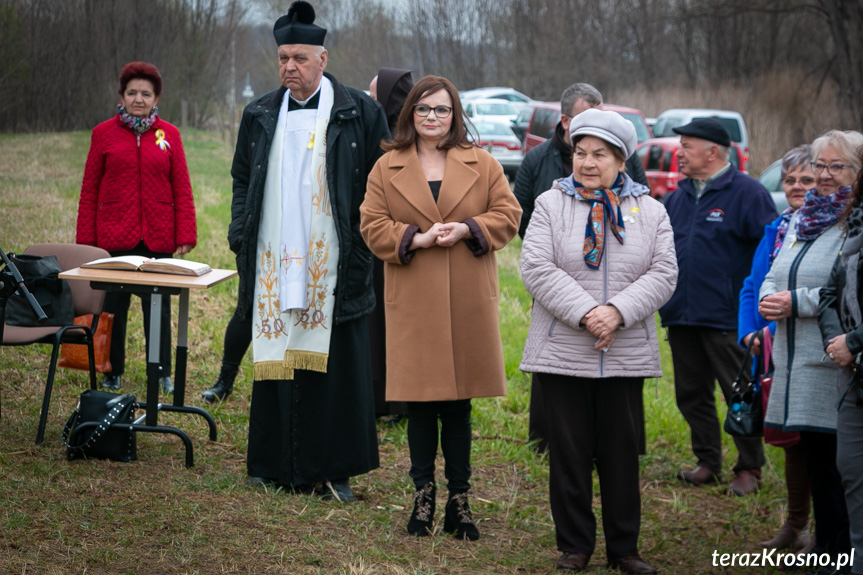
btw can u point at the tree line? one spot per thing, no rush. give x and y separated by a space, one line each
59 59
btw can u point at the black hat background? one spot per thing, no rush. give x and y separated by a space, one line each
706 129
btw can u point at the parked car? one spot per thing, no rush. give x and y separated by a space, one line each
546 115
510 95
733 121
488 110
498 140
544 119
771 178
519 125
659 158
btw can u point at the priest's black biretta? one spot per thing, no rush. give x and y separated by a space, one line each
297 26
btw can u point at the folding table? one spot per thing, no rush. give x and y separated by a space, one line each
157 284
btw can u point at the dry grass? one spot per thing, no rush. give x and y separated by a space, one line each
156 516
782 110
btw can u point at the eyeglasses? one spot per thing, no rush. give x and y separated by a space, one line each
832 169
807 181
423 110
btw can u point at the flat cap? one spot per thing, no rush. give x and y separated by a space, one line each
706 129
298 26
608 126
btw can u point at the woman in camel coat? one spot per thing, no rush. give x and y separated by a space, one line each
436 210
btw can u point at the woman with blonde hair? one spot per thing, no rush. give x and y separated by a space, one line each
804 394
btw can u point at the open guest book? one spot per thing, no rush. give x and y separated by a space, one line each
144 264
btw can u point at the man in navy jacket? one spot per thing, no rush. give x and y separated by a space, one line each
718 215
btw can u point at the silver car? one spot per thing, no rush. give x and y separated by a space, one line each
499 140
771 178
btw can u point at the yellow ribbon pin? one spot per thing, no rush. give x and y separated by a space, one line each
311 140
160 140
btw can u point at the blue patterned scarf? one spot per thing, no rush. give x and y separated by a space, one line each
819 213
605 207
136 124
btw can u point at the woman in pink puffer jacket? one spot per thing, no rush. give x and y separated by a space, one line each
598 258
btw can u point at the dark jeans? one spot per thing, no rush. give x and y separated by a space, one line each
832 528
702 356
118 304
591 422
455 438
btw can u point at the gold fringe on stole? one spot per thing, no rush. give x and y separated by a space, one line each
308 360
265 370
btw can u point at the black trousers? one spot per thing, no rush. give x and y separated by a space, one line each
455 439
537 424
238 338
701 357
591 423
118 304
832 526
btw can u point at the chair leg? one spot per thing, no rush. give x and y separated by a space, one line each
91 354
52 370
49 385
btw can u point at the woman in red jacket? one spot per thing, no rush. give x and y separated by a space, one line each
136 199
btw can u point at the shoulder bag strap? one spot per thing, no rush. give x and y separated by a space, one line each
743 367
123 401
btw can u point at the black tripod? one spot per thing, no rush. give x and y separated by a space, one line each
10 282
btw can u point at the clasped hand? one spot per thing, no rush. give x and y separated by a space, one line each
443 235
775 307
602 322
838 351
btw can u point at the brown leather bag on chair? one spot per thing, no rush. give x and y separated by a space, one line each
74 355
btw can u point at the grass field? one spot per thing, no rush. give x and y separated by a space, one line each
154 516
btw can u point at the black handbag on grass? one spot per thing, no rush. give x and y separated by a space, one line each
53 294
98 441
745 417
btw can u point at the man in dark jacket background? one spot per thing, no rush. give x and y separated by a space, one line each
718 214
552 159
308 425
544 164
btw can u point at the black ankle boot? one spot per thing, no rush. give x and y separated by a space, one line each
420 523
221 389
458 519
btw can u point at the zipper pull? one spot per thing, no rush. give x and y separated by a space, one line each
139 139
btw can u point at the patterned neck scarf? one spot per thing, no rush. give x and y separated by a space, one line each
136 124
605 206
780 234
819 213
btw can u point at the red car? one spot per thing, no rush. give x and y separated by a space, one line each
659 158
546 115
